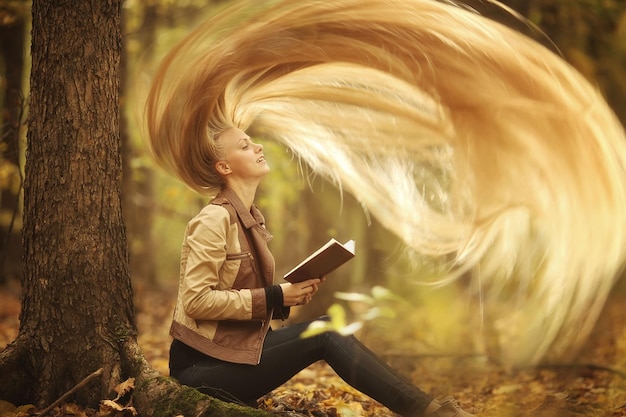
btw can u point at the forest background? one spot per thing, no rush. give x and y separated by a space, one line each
302 211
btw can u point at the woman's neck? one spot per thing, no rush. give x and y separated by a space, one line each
245 191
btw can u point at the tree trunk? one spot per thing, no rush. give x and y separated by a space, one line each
77 300
77 312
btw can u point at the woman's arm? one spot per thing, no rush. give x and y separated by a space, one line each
206 294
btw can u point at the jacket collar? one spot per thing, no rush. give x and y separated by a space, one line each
248 218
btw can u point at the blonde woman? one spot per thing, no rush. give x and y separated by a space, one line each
223 344
473 143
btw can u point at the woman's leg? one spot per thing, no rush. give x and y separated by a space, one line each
285 354
364 370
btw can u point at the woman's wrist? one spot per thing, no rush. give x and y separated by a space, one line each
274 297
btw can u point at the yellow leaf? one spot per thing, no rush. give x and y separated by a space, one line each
507 389
24 411
24 408
351 328
316 327
110 405
6 406
6 409
125 387
353 409
354 296
382 293
337 316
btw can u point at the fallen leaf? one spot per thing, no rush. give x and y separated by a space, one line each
506 389
125 387
6 406
111 408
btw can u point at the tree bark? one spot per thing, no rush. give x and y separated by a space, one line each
77 306
77 300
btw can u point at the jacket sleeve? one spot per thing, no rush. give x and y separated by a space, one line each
281 313
207 295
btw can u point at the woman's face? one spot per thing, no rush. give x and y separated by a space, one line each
242 158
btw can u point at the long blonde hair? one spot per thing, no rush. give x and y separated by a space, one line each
470 141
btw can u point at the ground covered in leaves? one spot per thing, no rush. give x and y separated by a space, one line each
594 385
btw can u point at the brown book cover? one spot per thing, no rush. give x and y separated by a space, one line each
323 261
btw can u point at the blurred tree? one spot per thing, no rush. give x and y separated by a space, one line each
137 178
13 39
590 34
148 26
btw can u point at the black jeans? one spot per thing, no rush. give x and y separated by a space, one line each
285 354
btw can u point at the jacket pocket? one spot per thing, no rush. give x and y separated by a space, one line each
240 270
246 259
239 256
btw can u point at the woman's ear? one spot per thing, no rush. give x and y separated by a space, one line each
222 168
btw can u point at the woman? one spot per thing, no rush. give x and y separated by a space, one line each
223 344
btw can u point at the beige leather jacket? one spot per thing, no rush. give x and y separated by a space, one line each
225 265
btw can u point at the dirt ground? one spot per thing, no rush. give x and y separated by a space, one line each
594 386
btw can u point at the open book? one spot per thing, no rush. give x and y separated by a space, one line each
323 261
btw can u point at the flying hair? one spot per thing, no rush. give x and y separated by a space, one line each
470 141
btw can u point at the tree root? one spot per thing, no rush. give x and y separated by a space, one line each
14 384
154 395
157 396
70 392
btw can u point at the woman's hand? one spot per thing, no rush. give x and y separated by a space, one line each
299 293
